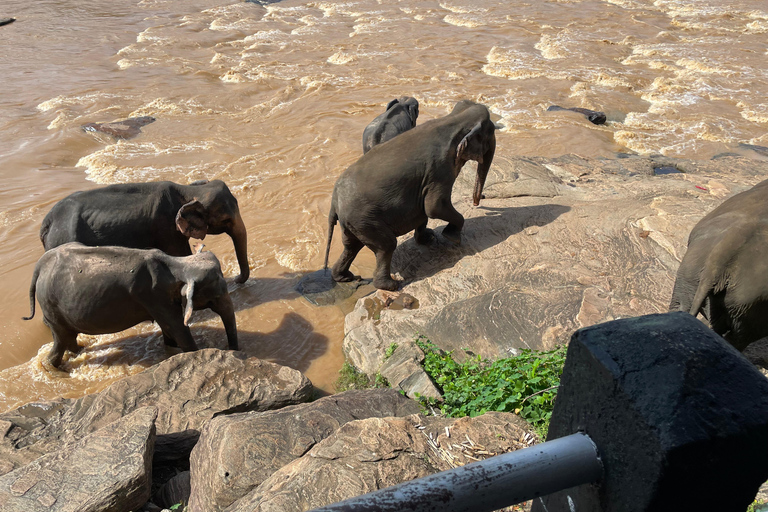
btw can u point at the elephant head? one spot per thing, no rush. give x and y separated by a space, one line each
411 106
211 208
477 141
205 288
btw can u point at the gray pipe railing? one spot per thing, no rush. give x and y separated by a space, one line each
489 484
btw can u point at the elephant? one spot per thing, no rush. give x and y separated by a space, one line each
400 116
160 215
396 187
724 273
106 289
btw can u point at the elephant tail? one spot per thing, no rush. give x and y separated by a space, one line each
32 291
332 219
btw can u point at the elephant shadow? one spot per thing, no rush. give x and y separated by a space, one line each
416 262
294 343
147 349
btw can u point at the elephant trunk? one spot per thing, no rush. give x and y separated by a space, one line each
226 310
482 172
240 240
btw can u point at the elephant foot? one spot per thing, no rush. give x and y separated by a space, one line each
386 283
344 277
453 236
424 237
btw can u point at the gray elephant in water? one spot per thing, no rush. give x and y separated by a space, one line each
160 215
400 116
101 290
396 187
724 273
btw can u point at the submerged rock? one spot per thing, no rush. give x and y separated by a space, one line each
594 116
320 289
125 129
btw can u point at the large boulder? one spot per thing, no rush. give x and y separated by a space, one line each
187 389
557 244
236 453
109 469
370 454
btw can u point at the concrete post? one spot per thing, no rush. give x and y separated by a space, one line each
679 417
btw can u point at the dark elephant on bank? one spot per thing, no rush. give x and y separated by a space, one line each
161 215
724 273
396 187
400 116
101 290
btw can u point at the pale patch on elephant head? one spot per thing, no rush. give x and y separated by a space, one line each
191 220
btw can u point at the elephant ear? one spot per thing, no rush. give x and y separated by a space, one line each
471 147
413 110
192 221
392 104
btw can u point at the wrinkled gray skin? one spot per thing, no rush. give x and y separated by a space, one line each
160 215
396 187
724 273
101 290
400 116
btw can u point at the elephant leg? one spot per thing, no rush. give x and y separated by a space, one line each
352 245
440 207
423 235
63 339
171 323
384 247
169 342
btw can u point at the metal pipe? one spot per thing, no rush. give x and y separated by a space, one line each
489 484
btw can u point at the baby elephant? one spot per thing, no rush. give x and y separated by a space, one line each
400 116
101 290
724 274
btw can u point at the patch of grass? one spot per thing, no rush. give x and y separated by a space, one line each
390 350
525 384
351 378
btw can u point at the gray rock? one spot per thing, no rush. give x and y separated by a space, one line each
321 290
403 371
593 240
236 453
125 129
109 469
176 490
188 389
367 455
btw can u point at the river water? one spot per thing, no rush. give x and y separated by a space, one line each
273 100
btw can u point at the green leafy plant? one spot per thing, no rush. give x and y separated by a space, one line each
390 350
525 384
177 507
351 378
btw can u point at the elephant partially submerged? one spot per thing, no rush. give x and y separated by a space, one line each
724 273
396 187
399 116
161 215
101 290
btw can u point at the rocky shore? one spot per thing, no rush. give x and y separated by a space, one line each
557 244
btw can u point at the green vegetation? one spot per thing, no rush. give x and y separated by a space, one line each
525 384
351 378
758 506
390 350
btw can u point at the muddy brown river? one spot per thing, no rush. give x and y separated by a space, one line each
273 99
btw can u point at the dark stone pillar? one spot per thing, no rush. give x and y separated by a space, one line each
679 417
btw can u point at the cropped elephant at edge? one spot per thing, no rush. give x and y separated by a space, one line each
161 215
724 273
399 116
102 290
398 186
